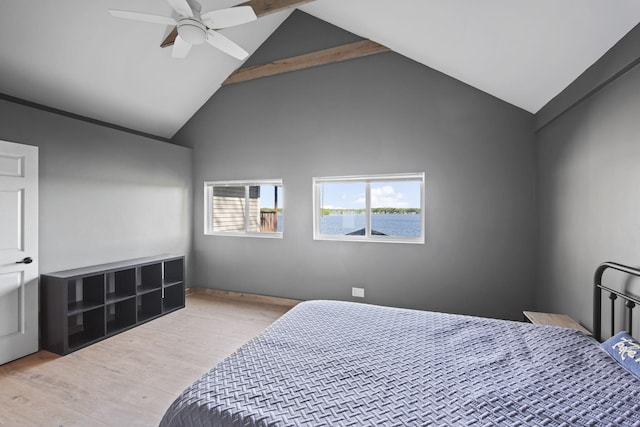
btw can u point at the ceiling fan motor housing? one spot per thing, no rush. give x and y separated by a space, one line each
192 31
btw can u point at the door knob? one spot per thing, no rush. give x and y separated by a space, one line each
26 260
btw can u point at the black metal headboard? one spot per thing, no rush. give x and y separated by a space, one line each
629 301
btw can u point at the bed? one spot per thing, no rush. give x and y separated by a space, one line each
332 363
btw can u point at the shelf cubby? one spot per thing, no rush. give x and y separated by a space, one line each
121 315
121 285
173 272
85 293
149 305
82 306
85 327
150 277
173 298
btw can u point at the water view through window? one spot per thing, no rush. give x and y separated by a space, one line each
394 207
387 224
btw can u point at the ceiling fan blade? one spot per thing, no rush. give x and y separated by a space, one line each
230 17
260 8
144 17
180 48
182 7
227 46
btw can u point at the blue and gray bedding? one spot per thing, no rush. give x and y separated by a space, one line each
328 363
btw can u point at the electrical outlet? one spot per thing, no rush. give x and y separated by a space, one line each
357 292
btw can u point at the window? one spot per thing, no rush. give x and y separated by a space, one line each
244 208
380 208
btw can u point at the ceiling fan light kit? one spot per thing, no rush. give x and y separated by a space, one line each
194 29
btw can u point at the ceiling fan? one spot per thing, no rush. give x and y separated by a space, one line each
194 28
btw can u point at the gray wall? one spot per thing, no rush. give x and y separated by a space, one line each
589 193
108 195
105 195
379 114
616 62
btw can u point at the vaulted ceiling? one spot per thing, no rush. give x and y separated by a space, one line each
73 56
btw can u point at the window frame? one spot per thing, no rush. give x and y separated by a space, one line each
209 208
368 180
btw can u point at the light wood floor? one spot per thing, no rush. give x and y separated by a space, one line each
130 379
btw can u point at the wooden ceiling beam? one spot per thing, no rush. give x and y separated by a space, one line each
308 60
170 39
265 7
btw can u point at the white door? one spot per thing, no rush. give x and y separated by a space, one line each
18 250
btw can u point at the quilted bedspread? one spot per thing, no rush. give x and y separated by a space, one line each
329 363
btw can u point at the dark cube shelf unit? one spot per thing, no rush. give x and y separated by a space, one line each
82 306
